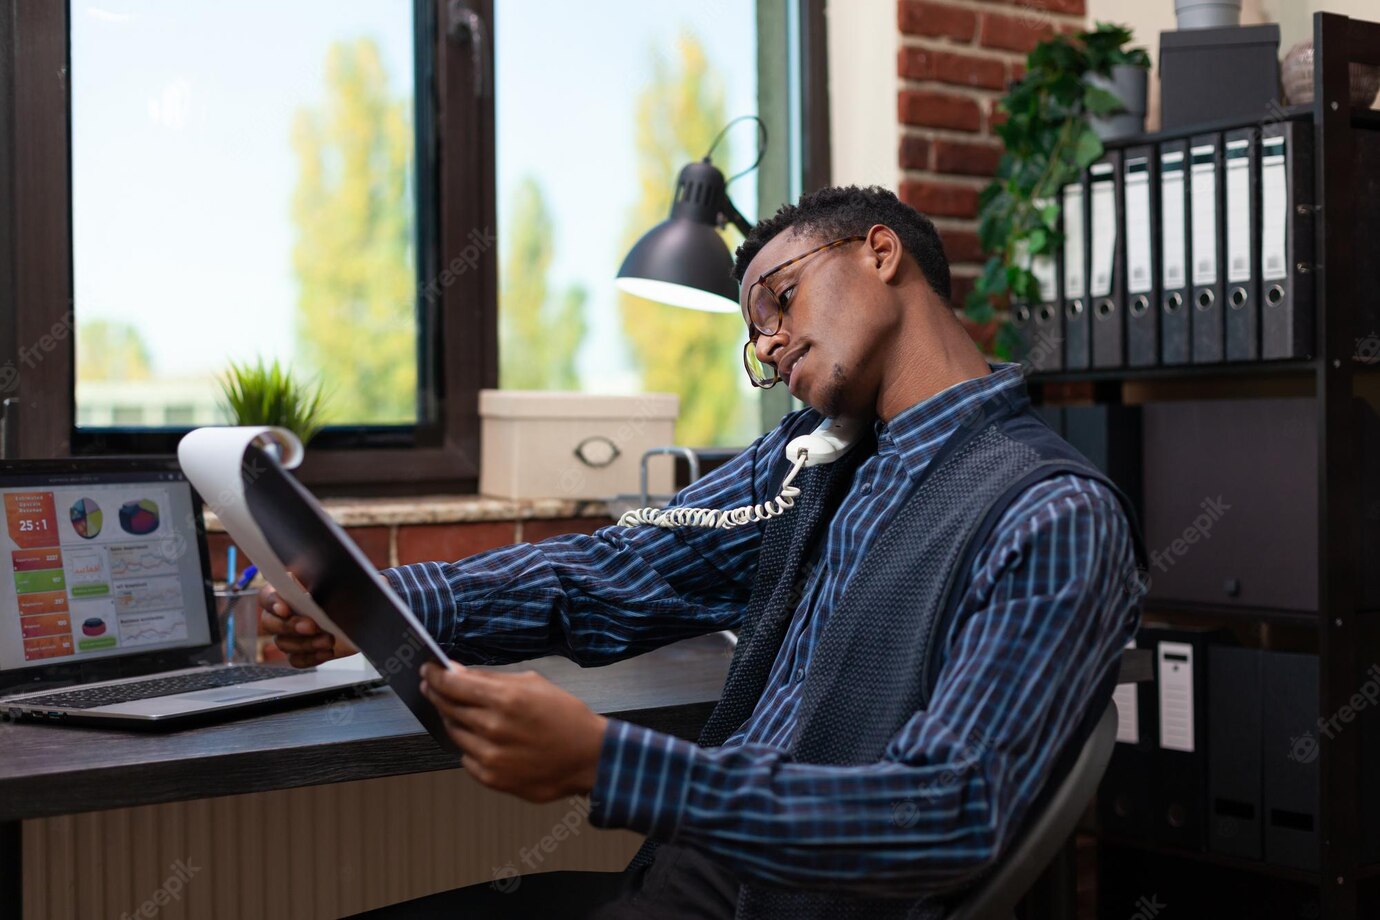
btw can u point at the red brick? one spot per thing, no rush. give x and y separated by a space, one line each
960 285
937 20
984 335
374 542
995 116
966 159
1035 10
961 245
1017 71
535 530
940 199
915 152
939 110
1013 33
216 544
448 542
948 67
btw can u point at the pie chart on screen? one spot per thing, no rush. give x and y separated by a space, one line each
86 518
139 517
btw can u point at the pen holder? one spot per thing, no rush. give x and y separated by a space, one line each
243 646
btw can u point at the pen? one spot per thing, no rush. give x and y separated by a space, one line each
246 578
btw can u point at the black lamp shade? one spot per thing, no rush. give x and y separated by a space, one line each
683 261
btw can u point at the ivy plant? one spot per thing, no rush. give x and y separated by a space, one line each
1049 142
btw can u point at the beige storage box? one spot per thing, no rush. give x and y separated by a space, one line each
540 444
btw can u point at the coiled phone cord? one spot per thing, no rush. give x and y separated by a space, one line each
710 517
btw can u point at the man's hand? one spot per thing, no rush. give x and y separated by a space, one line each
520 733
305 643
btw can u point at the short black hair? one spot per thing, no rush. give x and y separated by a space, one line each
852 211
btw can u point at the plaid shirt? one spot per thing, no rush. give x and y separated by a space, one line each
1044 617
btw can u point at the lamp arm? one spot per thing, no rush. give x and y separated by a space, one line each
729 214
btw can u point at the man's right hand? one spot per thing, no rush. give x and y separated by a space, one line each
305 643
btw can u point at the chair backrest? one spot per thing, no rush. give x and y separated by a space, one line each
996 896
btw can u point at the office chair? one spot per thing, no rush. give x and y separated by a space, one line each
996 896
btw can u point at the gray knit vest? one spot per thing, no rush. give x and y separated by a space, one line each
883 646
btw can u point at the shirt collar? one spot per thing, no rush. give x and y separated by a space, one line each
917 432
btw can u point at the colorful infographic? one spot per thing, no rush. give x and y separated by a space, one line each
86 518
139 517
86 588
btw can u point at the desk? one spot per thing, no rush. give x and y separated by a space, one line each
63 770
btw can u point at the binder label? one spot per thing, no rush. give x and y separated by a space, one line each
1174 253
1176 696
1238 211
1103 228
1074 281
1138 264
1204 216
1274 210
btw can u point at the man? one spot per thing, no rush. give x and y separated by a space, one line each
920 637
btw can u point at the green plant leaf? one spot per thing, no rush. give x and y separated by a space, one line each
1100 101
1088 148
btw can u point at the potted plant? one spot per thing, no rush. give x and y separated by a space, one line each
1049 141
260 394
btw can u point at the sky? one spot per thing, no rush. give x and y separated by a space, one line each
183 170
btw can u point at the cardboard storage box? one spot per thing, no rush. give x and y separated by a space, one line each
539 444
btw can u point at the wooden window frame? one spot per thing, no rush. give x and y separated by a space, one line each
458 310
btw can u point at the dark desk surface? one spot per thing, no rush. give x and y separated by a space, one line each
57 770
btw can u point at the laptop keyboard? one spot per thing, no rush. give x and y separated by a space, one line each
159 686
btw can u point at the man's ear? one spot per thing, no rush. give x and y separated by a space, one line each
885 251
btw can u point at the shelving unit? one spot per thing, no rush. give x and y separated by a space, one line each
1345 636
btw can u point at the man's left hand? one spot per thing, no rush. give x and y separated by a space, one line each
519 733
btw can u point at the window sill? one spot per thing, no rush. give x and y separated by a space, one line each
445 509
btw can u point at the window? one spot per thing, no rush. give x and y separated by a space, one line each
242 188
587 165
320 182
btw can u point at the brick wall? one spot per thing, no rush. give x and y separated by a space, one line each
406 543
955 61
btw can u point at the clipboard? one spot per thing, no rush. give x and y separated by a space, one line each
242 473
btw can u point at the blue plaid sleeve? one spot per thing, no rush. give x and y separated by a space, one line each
1046 615
602 597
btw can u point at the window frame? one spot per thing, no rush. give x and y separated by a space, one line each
457 310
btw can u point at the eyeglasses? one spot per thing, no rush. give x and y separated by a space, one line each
765 309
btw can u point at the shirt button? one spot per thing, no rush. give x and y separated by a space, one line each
799 674
867 488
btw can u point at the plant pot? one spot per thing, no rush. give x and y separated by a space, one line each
1207 14
1130 84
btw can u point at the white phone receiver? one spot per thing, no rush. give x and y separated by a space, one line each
831 440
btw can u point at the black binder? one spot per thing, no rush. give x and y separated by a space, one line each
1240 189
1234 752
1140 229
1180 762
1047 333
1106 271
1286 218
1176 289
1125 805
1205 207
1289 699
1074 290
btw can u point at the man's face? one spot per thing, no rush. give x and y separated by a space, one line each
838 321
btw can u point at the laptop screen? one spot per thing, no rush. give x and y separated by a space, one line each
98 565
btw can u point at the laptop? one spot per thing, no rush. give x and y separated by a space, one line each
106 609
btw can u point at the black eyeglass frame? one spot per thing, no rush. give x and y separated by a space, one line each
755 329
